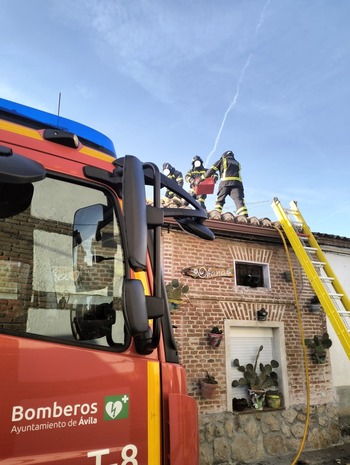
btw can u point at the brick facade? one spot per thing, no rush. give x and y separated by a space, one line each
211 302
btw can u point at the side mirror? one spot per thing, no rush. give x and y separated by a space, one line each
197 228
17 173
14 198
16 169
134 207
135 308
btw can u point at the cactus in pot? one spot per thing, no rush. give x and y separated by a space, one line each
319 347
253 379
175 291
257 378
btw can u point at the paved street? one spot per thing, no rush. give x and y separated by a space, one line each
337 455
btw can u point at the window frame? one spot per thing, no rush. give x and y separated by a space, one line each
265 273
279 353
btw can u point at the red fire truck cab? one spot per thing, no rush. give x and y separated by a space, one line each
89 366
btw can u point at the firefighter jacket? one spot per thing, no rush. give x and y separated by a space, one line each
176 176
197 173
229 170
194 174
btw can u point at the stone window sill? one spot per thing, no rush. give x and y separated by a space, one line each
250 411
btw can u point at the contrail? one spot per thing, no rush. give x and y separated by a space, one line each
232 104
261 19
240 79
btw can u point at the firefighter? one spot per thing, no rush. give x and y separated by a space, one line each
171 173
230 183
195 174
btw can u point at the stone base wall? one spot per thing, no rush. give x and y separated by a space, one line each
242 438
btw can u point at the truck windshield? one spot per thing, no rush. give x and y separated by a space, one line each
62 267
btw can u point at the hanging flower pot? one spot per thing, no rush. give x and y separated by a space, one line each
215 336
314 306
175 291
209 386
174 304
215 339
319 347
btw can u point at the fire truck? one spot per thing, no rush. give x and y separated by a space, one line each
89 368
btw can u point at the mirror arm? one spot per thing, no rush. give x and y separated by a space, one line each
157 276
17 169
99 174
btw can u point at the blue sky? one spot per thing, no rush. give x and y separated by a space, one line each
170 79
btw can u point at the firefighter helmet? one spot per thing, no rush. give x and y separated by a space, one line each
197 161
167 169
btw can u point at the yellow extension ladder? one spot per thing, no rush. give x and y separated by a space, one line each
328 289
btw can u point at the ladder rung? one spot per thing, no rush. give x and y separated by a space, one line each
326 278
290 211
297 224
336 296
310 249
317 263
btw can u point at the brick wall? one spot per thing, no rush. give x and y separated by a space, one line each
211 301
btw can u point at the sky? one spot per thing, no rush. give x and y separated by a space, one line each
170 79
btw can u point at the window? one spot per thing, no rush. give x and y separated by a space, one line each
64 267
245 338
252 274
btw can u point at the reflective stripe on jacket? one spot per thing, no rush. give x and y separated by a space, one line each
229 169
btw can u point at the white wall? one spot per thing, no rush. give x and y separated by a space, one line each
340 263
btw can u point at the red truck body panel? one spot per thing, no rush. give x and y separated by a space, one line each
64 403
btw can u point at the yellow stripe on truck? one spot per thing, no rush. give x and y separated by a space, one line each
154 418
142 276
96 154
23 131
34 134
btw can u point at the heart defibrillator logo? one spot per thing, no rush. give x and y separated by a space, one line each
116 407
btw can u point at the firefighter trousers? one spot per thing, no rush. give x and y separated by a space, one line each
237 195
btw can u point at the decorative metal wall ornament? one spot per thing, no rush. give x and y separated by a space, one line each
208 272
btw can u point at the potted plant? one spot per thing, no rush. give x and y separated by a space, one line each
239 404
273 399
175 291
215 336
208 386
257 382
319 347
315 305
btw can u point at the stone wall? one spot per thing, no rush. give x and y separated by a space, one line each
227 438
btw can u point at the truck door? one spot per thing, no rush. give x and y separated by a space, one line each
73 390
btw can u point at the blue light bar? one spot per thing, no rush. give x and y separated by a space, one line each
96 138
